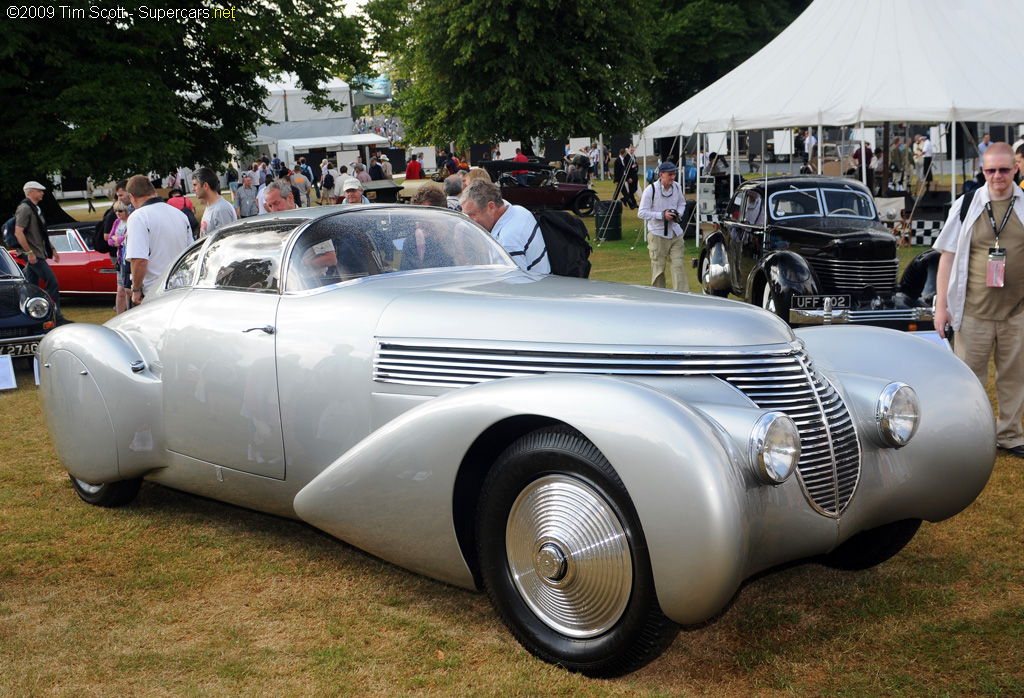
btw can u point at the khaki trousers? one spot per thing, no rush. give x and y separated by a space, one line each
974 344
670 250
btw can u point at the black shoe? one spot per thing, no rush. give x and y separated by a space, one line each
1016 451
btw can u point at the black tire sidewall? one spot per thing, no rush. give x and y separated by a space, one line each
517 468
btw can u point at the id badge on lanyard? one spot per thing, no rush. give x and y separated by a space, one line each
995 275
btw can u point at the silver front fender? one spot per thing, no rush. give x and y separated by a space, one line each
392 494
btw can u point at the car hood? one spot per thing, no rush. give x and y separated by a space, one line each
859 241
552 309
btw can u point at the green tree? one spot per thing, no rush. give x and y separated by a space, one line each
130 92
699 41
487 70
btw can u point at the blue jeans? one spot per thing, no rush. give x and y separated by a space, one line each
40 271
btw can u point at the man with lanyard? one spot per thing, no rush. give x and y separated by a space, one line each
661 205
980 288
34 244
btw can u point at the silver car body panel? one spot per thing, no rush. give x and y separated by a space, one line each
356 407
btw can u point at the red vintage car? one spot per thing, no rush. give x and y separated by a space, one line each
543 190
81 270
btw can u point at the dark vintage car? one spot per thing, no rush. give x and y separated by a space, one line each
543 189
815 253
26 312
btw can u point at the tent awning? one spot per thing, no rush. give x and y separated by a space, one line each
871 61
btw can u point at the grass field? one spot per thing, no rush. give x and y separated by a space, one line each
175 595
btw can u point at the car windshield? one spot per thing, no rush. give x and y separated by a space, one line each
848 203
65 241
8 267
794 203
380 240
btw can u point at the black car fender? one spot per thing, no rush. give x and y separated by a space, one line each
786 272
918 283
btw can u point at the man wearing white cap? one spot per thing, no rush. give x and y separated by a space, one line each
34 244
353 190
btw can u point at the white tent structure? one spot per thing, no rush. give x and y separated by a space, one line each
846 62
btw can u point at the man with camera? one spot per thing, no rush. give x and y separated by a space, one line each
660 206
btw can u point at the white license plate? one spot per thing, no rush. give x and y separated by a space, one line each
27 349
818 302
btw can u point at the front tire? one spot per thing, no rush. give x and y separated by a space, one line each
110 494
773 302
584 204
705 277
564 560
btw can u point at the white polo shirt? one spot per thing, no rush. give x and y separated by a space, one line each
158 232
518 233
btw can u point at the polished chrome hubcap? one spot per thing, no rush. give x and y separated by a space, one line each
569 556
88 488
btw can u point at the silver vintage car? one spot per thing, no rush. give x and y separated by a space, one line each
609 462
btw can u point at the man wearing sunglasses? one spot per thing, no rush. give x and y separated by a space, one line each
980 287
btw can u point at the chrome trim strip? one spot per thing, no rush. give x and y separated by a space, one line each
780 378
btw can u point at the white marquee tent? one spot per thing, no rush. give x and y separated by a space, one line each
844 62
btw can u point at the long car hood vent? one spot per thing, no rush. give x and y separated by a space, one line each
777 379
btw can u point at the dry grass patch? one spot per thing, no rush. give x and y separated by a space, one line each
176 595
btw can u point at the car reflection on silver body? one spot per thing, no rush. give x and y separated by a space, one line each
608 461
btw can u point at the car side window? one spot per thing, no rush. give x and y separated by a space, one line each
794 203
184 270
245 257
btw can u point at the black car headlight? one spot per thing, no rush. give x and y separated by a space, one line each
897 414
774 447
37 307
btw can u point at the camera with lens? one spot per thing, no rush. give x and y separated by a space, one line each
675 214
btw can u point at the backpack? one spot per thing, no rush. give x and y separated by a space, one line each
9 237
328 181
968 197
565 237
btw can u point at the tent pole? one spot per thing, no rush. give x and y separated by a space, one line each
732 162
821 147
696 159
952 164
863 159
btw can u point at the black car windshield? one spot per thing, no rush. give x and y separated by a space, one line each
384 239
7 266
849 203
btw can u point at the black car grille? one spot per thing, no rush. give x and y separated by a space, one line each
785 380
852 276
16 332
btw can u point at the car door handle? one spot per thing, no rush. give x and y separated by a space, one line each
269 329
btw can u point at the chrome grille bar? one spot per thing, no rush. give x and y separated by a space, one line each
783 380
851 276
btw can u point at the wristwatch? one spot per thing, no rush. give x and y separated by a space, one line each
136 290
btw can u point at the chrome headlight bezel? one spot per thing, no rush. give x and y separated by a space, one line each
37 307
897 414
774 447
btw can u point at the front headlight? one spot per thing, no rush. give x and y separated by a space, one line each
774 447
37 307
897 414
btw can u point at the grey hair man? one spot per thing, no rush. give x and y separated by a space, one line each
278 196
514 227
452 189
